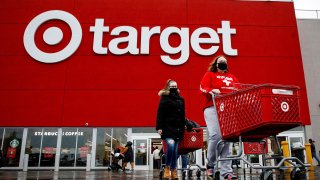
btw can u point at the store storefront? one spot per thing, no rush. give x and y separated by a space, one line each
79 78
68 148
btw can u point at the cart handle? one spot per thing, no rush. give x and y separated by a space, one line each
196 130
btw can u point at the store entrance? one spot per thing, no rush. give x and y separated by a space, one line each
156 152
142 149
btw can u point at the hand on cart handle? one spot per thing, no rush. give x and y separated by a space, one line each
214 91
160 132
196 129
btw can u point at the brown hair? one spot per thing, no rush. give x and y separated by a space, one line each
165 90
168 84
213 65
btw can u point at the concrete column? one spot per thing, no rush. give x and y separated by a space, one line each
58 149
88 162
25 162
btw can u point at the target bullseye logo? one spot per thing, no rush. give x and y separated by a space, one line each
52 36
193 138
221 107
285 106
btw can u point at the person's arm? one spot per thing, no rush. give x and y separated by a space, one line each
161 115
184 110
205 85
124 150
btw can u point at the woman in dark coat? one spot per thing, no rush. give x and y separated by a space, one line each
171 125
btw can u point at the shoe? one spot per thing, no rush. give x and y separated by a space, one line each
166 173
174 174
230 176
210 172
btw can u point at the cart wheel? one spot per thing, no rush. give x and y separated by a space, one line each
190 173
160 174
217 175
266 175
296 174
198 173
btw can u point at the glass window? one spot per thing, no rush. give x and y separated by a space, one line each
68 147
274 146
1 136
84 146
33 146
140 151
12 146
48 149
103 149
144 130
119 137
296 142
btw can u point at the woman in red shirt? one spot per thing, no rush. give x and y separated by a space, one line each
217 80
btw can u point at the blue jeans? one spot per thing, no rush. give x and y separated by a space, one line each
185 160
314 155
171 153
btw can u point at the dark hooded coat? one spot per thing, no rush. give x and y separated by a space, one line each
171 115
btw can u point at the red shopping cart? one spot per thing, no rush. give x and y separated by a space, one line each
258 111
255 112
192 141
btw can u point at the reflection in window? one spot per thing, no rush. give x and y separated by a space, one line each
84 146
119 137
140 152
274 146
33 146
12 146
103 152
296 142
107 140
41 147
75 145
49 144
1 135
68 146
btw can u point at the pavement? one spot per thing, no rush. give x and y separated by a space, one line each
136 175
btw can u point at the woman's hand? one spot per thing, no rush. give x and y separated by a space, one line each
215 91
160 132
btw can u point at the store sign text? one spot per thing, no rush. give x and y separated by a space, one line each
71 133
53 35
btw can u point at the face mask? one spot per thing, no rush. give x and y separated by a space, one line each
222 66
173 90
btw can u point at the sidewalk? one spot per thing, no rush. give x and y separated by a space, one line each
137 175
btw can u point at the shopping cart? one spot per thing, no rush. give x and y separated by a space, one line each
255 112
192 141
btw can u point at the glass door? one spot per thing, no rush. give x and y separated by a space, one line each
141 149
76 144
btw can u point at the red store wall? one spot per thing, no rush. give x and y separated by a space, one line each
121 90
